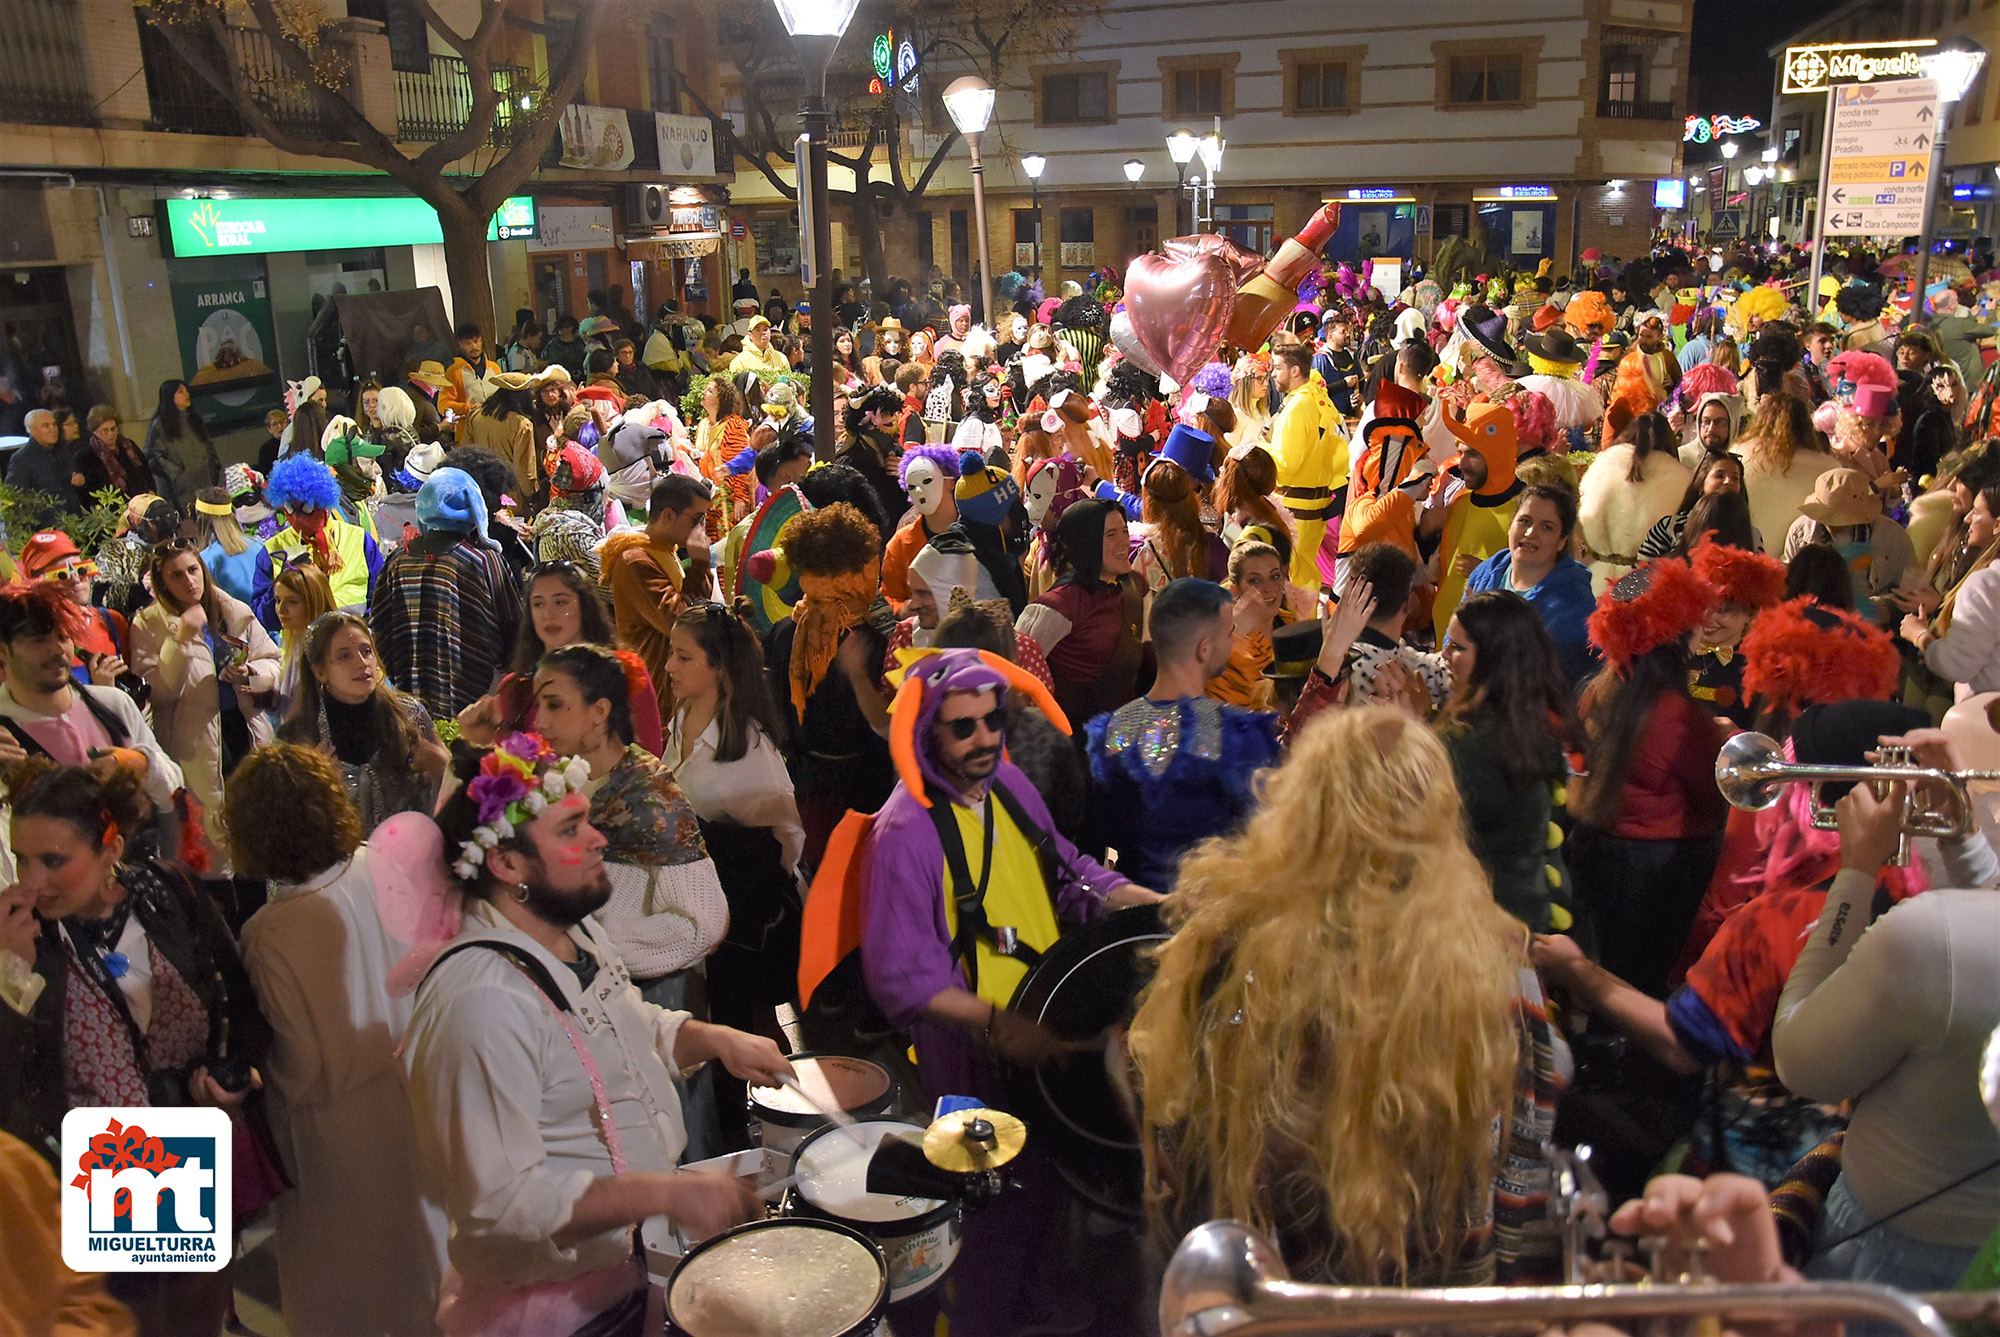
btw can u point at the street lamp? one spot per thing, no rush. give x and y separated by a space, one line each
1181 147
1730 148
815 27
1032 164
1955 65
1212 145
1134 169
969 102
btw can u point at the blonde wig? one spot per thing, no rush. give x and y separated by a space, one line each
1331 1043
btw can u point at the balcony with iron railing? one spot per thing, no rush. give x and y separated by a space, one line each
434 105
44 63
185 102
1618 109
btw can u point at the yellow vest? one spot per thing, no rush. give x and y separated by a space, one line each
1016 897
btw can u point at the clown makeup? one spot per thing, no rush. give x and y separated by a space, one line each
923 484
1041 495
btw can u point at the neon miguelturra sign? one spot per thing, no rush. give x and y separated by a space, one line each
1813 69
1701 129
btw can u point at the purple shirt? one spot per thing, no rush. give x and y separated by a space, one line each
905 947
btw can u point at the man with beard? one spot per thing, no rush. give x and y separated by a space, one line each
541 1083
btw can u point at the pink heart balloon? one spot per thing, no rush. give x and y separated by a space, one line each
1179 309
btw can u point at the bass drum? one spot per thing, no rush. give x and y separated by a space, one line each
1087 984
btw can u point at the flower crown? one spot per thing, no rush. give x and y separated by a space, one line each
510 793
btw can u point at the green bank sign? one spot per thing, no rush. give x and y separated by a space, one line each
240 226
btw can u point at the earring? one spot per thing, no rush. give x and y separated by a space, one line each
521 893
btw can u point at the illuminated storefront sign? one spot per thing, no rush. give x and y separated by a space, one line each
1812 69
251 226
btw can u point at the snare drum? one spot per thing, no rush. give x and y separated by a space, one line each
920 1237
791 1277
853 1086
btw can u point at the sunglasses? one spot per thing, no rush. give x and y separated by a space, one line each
72 570
994 721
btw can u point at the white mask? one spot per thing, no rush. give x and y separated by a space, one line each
1020 329
1041 493
924 486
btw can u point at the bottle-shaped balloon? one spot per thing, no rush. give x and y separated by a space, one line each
1263 302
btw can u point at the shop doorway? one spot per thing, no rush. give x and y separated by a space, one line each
39 354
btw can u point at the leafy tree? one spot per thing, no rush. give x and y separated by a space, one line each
305 108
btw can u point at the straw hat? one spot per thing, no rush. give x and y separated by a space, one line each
1842 497
431 374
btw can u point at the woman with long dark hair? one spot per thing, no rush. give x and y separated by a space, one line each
1783 456
387 749
848 373
1508 726
1715 473
144 1000
1090 625
721 436
1649 814
983 426
206 658
182 457
723 750
667 911
564 607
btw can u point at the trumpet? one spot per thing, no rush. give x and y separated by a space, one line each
1751 771
1225 1278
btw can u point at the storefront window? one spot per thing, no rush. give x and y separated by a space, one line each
1248 225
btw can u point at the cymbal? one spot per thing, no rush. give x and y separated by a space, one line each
947 1146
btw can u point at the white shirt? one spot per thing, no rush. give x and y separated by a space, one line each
1894 1016
753 790
505 1117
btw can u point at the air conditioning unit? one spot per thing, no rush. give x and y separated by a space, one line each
646 207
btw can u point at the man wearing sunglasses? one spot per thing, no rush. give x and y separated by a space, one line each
965 827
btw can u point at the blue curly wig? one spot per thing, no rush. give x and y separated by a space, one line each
944 457
300 480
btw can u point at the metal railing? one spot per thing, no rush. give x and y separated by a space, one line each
436 105
1617 109
44 67
184 102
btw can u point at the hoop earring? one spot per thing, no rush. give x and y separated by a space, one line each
520 893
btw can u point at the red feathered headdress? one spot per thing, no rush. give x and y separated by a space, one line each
1660 602
1802 653
1747 579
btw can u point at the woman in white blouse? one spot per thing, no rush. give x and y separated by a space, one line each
722 745
667 911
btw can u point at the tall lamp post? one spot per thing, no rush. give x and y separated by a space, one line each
1181 147
1955 65
1730 148
816 27
1033 164
969 102
1211 158
1134 169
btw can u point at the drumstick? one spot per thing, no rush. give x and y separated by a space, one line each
848 1128
772 1192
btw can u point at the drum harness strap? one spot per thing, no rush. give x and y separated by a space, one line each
969 897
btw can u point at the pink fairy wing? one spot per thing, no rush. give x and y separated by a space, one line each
414 892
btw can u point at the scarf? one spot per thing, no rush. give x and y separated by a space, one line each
311 526
645 818
832 604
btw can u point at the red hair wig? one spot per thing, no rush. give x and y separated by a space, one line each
1659 602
